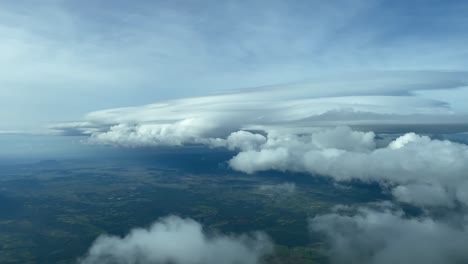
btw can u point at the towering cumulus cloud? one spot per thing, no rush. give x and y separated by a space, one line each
179 241
336 127
297 130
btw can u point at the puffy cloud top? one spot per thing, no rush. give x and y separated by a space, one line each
179 241
371 236
419 170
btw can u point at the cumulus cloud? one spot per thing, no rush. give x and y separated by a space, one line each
179 241
308 128
426 194
284 151
371 236
240 140
419 170
187 131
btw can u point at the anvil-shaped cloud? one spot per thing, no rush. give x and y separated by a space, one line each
373 99
297 121
333 126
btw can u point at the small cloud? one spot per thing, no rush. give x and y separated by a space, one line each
179 241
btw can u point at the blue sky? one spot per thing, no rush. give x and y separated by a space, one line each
62 59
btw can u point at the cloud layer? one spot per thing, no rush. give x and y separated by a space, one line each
378 98
62 59
179 241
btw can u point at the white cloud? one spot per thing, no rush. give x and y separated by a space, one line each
423 195
268 159
179 241
406 139
371 236
62 59
361 99
292 121
420 171
187 131
240 140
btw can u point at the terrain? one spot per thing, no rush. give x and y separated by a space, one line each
51 211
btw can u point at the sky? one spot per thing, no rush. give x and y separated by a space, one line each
60 60
355 91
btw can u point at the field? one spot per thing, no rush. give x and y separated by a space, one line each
51 211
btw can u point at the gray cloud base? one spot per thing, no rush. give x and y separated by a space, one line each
370 236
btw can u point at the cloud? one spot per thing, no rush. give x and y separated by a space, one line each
417 169
240 140
351 99
63 59
389 236
307 127
180 241
187 131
